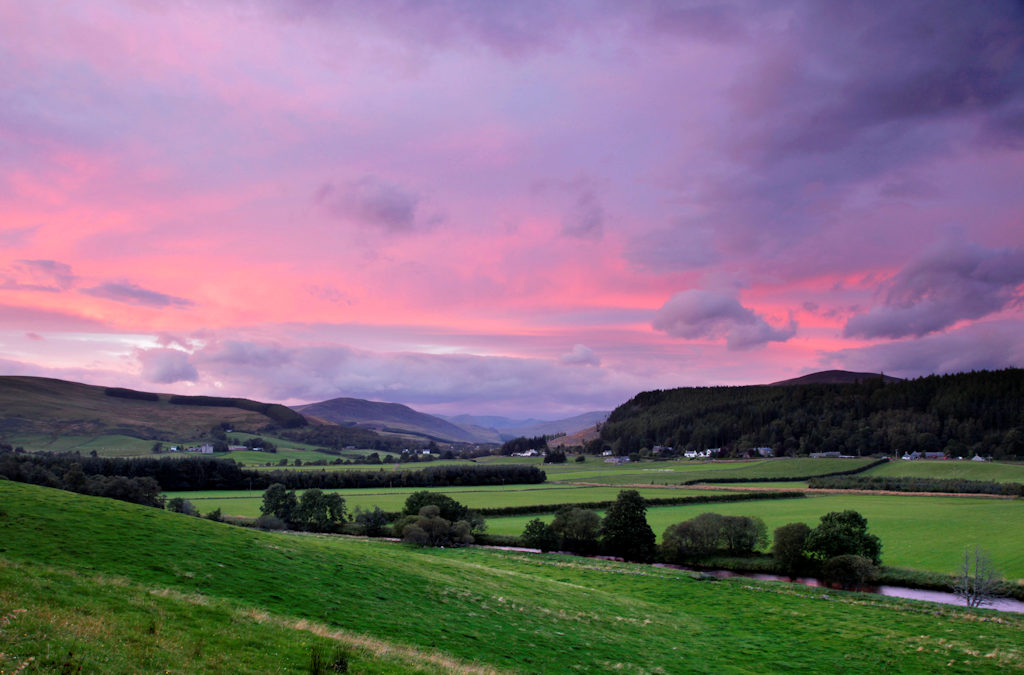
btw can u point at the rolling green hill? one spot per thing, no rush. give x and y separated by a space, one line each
124 588
43 413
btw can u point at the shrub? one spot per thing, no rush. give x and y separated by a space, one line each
179 505
578 529
270 522
625 531
539 534
848 571
841 533
788 548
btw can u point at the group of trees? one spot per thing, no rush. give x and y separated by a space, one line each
710 534
959 414
314 511
623 532
435 519
839 549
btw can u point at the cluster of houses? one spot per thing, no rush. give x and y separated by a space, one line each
205 449
529 453
910 456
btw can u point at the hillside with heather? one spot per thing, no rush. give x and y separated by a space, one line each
45 407
961 414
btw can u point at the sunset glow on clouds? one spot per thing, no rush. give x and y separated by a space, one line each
507 208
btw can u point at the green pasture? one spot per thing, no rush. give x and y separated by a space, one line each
387 466
131 589
106 445
675 472
924 533
244 503
1003 472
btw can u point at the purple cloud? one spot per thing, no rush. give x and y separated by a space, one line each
580 355
586 218
946 286
20 318
696 314
37 275
165 366
134 294
982 345
13 237
371 201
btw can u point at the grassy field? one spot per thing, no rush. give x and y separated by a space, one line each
242 503
1003 472
105 445
680 471
925 533
117 585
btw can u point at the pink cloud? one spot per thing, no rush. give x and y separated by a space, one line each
477 187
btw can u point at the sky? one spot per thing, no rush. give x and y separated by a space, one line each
524 209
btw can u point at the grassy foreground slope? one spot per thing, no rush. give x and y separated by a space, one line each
512 611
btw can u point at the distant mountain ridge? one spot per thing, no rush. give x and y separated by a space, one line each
834 377
512 428
394 417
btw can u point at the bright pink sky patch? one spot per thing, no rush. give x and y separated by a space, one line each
507 208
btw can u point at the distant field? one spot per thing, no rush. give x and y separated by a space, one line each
926 533
241 503
107 445
680 471
1003 472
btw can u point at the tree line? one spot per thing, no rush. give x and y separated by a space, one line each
961 414
916 484
207 473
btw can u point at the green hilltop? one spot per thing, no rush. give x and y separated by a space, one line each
114 587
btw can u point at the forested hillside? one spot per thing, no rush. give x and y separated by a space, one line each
961 414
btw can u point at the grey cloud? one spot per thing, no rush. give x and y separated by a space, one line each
164 366
672 249
134 294
37 275
13 237
981 345
248 354
586 219
371 201
951 284
879 71
580 355
696 314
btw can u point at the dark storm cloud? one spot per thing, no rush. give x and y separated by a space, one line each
946 286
